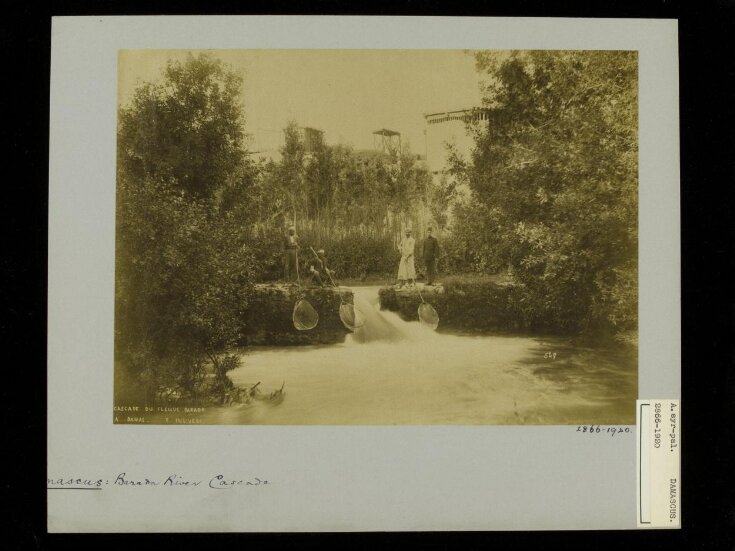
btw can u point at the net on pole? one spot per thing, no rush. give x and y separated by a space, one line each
428 316
304 315
351 317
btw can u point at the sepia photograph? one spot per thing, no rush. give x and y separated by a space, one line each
376 237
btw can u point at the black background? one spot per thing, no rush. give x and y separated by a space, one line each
707 94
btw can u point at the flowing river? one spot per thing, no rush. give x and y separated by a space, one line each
392 372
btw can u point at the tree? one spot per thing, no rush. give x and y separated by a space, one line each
184 264
291 171
556 170
188 127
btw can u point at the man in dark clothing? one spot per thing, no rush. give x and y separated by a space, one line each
431 254
290 254
319 273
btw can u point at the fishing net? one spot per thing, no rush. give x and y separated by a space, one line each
351 317
428 316
304 316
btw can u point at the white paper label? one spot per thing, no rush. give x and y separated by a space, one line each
658 456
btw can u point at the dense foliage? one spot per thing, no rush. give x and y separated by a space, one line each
183 264
554 179
188 128
353 204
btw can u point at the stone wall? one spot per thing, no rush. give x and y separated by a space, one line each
473 307
268 320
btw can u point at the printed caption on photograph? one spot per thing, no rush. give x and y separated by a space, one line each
658 454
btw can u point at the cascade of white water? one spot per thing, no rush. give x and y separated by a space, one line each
382 325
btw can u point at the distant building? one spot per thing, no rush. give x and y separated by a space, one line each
312 137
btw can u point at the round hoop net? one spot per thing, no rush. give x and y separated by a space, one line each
304 316
351 317
428 316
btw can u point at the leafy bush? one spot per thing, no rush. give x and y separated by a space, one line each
183 274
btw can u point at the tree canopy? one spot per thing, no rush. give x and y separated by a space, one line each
554 180
188 127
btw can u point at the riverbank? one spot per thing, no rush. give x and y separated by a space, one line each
268 318
479 304
463 304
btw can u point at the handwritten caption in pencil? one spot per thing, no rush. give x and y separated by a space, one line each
215 482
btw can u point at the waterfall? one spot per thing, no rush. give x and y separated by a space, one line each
382 325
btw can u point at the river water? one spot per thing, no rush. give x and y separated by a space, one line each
392 372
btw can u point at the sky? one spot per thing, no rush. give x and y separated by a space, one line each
346 93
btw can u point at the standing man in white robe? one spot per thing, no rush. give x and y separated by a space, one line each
406 268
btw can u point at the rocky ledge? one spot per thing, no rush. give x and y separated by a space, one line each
268 318
474 306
